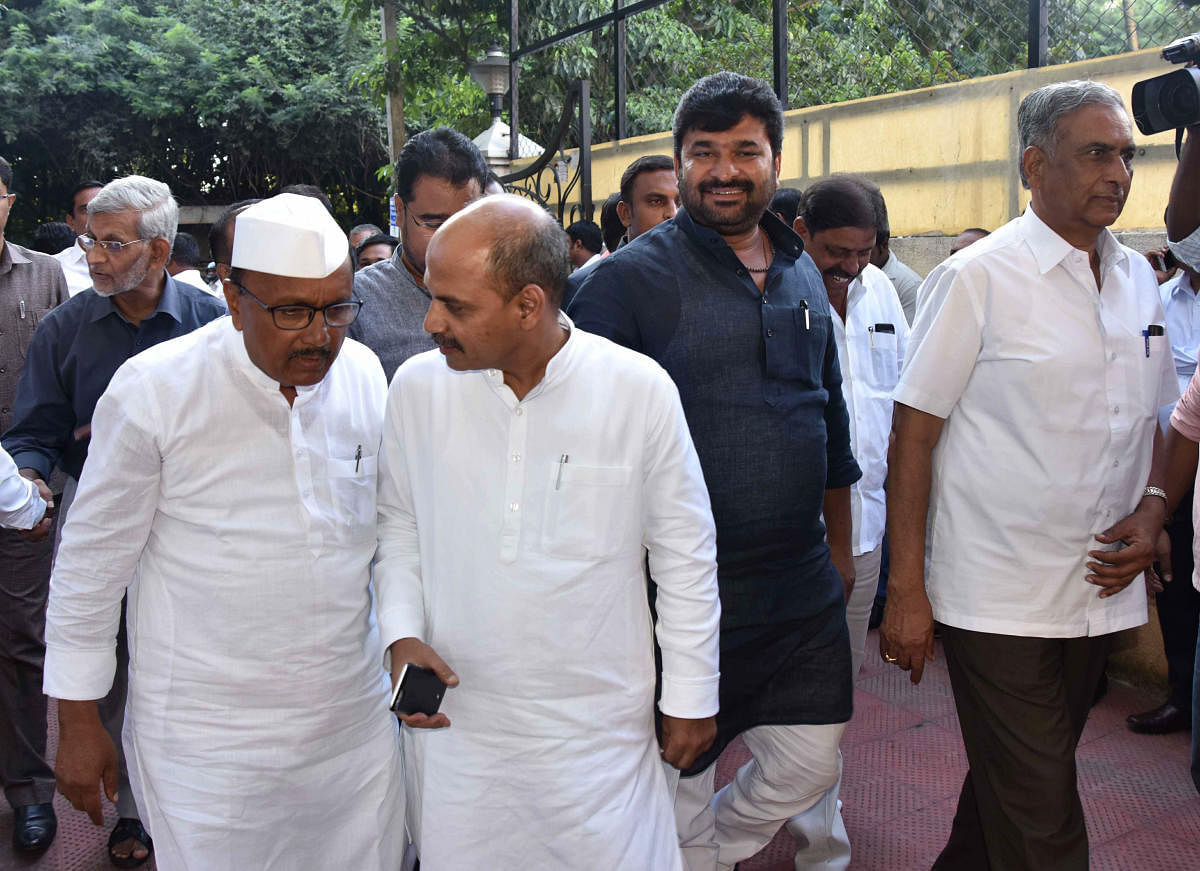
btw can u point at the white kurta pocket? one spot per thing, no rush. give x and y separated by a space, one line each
587 511
353 484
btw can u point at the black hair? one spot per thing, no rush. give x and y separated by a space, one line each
185 250
309 190
51 237
649 163
785 203
377 239
587 233
883 229
6 173
837 201
220 240
610 222
87 184
442 153
718 102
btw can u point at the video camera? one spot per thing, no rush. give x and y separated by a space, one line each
1170 101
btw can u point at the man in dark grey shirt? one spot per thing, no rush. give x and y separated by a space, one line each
30 285
437 174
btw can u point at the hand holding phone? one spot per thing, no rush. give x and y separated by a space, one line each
420 681
418 691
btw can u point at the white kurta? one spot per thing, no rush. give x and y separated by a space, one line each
257 728
513 538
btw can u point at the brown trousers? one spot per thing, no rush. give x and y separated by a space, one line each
1022 705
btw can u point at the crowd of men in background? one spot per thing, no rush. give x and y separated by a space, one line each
633 492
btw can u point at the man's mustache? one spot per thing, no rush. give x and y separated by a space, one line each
441 341
311 352
706 186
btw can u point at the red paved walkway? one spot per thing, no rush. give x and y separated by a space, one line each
904 765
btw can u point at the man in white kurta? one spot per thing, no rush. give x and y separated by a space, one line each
518 501
231 487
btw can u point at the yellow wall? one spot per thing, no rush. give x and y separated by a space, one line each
945 157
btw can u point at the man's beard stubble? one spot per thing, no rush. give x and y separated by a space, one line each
724 221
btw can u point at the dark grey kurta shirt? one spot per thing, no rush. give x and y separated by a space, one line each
392 319
761 387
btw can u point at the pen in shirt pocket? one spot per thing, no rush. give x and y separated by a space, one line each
1151 330
357 458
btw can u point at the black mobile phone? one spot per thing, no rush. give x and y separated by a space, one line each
419 691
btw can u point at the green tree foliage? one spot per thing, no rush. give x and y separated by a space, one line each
221 99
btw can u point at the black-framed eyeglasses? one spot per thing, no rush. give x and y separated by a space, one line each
297 317
430 225
87 243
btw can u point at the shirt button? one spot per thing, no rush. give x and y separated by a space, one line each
1113 355
519 412
741 272
300 453
1116 463
516 457
1116 409
770 333
514 506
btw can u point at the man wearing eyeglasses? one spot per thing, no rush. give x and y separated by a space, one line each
30 285
437 174
232 490
131 305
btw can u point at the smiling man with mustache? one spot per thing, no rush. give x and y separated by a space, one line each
723 296
231 488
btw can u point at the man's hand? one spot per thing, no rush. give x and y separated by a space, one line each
42 528
417 652
86 758
1160 572
906 634
1114 570
1157 258
684 740
843 561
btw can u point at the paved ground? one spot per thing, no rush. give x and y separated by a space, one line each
904 766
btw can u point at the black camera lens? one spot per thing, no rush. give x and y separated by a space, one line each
1179 99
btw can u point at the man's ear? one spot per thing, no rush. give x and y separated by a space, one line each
624 213
160 252
233 299
801 229
1033 161
531 303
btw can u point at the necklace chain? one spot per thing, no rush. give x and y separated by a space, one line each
766 256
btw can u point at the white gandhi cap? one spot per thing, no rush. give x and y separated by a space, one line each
289 235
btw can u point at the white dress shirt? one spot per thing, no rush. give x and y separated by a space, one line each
75 269
1050 391
21 507
513 537
244 529
195 279
1182 308
906 281
871 347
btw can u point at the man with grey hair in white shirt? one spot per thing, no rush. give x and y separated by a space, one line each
1027 455
231 488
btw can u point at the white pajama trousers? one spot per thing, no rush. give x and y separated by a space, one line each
794 778
792 768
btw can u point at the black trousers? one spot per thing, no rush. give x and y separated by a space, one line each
1022 705
24 584
1178 607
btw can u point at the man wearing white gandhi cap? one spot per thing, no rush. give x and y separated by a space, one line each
231 487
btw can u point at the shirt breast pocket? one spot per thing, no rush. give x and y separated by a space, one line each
885 367
795 344
589 511
353 485
26 324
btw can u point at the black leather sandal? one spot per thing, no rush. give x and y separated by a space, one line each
126 829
